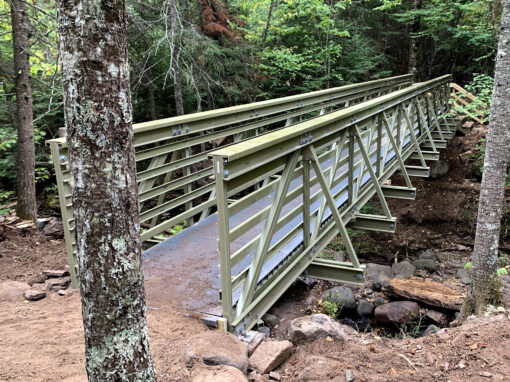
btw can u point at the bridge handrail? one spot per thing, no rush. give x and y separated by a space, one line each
262 252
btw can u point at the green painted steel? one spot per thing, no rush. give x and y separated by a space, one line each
173 168
334 163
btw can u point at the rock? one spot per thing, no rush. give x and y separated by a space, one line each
364 308
34 294
373 270
425 265
12 290
308 281
221 373
269 355
270 320
439 169
437 317
403 270
310 328
57 283
463 276
55 273
41 223
342 296
253 340
63 293
429 254
38 279
398 312
427 292
431 329
254 377
348 376
378 301
53 228
264 330
339 256
215 347
461 247
275 376
485 374
443 334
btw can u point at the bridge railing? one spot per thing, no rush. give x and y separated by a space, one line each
174 172
322 172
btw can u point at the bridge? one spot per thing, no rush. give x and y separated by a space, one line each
237 203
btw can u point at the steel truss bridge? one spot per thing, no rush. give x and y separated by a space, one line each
237 203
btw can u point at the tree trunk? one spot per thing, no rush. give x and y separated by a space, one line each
26 207
176 53
268 25
486 287
413 43
98 115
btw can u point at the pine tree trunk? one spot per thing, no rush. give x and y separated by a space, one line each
268 25
26 207
176 53
98 114
486 285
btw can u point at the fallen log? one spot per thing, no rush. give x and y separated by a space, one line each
427 292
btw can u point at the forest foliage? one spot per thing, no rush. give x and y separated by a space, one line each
240 51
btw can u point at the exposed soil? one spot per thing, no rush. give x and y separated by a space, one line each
43 341
26 252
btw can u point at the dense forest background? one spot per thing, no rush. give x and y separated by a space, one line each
189 56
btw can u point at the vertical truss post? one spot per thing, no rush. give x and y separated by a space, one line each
350 174
379 163
224 240
264 241
413 136
425 126
189 186
310 151
306 202
398 154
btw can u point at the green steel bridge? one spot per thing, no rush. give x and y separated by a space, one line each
237 203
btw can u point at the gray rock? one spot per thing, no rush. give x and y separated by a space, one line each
348 376
264 330
439 169
270 319
55 273
310 328
429 254
215 347
34 294
339 256
269 355
425 265
342 296
431 329
378 301
398 312
364 308
403 270
372 270
463 276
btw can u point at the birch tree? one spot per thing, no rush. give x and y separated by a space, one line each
486 287
98 117
26 207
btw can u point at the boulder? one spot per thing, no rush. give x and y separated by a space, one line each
364 308
428 292
310 328
12 290
439 169
403 270
34 294
430 254
223 373
378 301
398 312
342 296
425 265
253 339
215 347
269 355
372 270
53 228
57 283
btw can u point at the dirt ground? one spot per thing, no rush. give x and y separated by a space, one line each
43 341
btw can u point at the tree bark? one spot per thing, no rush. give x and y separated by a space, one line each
413 43
176 53
26 207
486 284
98 115
268 25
